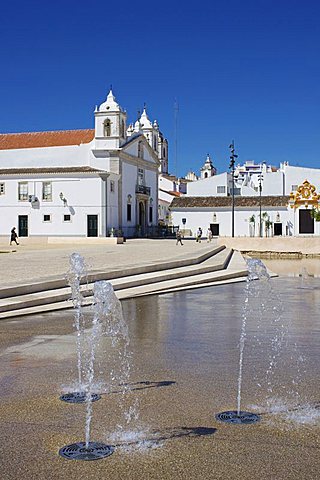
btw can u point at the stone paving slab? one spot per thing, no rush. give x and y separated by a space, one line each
212 269
46 295
38 262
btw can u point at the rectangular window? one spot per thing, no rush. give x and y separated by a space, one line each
294 188
111 186
150 214
140 176
67 218
2 188
47 218
23 191
47 191
221 189
128 212
237 191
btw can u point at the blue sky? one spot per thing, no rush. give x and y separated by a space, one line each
239 69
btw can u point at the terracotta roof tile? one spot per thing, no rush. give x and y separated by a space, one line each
49 170
252 201
170 192
175 194
10 141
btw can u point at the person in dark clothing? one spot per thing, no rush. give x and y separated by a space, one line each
199 235
179 237
14 236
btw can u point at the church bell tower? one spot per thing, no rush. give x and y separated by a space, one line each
110 124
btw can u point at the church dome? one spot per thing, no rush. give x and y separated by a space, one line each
110 104
144 120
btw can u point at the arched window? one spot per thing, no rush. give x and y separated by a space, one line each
154 143
206 175
107 128
122 129
164 153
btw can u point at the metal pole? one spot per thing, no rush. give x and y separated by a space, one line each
233 156
260 200
176 114
260 208
232 201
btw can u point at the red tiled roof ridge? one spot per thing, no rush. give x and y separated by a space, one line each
52 138
48 131
50 170
226 201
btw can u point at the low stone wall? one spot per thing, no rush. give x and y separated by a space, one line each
274 246
86 240
5 241
278 255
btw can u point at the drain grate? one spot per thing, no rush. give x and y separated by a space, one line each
78 451
232 416
78 397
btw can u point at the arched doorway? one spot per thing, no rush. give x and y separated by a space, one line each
142 217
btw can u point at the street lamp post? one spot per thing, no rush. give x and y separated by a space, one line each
233 156
260 178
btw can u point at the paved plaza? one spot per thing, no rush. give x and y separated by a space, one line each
33 261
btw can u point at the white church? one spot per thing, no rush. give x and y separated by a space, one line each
83 183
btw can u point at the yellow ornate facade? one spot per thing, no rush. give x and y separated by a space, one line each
305 195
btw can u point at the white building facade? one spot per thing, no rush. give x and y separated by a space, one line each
83 183
281 206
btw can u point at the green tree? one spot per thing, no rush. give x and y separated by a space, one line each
267 222
252 225
268 226
315 214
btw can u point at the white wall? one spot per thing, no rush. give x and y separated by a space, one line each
297 175
151 178
166 184
129 182
84 197
99 160
112 202
273 183
46 157
65 156
163 210
203 217
207 187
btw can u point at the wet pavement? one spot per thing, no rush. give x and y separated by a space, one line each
185 367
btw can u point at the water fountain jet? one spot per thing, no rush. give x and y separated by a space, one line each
256 271
76 273
103 309
107 321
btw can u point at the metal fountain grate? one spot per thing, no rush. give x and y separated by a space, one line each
232 416
78 451
78 397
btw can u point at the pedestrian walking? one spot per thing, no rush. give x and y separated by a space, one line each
179 237
209 235
199 235
14 236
